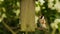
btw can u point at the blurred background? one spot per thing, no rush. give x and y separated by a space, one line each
10 13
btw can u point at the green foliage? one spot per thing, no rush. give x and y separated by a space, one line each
59 26
49 13
8 11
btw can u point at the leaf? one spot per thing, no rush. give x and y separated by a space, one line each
59 26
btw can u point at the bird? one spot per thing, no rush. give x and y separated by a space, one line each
42 21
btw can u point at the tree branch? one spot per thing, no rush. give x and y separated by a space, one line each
8 28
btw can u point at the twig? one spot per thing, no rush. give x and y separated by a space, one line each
8 28
53 32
